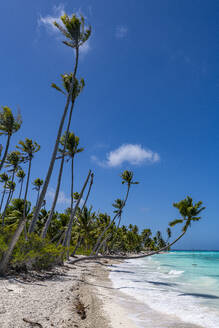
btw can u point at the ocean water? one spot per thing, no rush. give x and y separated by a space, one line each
173 288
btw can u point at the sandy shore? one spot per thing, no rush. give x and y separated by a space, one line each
70 296
74 296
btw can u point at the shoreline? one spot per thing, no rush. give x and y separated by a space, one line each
80 295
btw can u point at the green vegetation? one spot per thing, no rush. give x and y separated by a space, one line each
33 237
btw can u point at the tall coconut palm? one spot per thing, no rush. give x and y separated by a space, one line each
70 148
28 148
78 87
21 175
37 186
3 179
8 125
76 35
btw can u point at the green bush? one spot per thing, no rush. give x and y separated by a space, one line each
36 253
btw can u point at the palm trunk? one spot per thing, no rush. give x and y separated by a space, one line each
77 246
72 215
22 181
90 258
88 193
7 202
6 152
3 196
55 150
6 257
48 221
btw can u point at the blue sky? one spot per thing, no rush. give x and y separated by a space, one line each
150 103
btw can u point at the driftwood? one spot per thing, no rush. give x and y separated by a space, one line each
32 323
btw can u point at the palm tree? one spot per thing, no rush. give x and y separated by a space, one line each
13 162
127 177
37 186
188 211
76 36
28 148
8 125
21 175
70 144
67 238
3 179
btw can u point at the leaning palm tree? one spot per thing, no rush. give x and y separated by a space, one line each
76 35
37 186
189 213
73 212
8 125
70 148
127 178
21 175
3 179
77 88
28 148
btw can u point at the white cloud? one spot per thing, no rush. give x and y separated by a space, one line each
48 23
132 154
62 198
121 32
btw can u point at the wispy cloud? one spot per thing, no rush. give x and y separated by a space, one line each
48 23
132 154
62 198
121 32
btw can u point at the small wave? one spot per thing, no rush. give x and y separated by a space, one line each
175 272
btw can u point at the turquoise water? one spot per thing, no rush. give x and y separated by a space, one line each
181 284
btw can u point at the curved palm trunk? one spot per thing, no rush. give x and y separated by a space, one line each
3 196
8 201
90 258
6 257
72 215
55 150
77 246
48 221
6 152
22 181
109 225
88 193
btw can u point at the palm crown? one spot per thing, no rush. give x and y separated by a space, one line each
28 148
67 82
4 178
188 211
72 142
74 30
21 175
37 184
8 123
119 204
13 160
127 177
